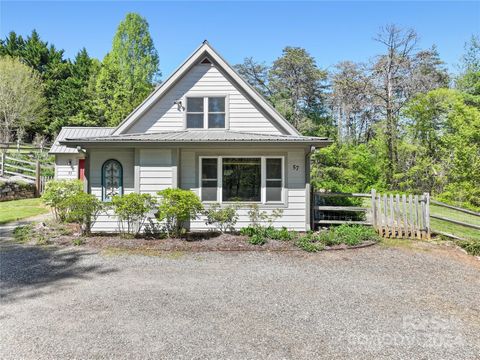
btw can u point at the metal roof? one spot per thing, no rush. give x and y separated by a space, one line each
74 132
197 136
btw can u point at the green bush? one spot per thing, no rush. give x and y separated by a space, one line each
23 233
57 193
471 246
350 235
257 239
224 219
267 233
309 243
354 234
259 217
177 206
84 209
132 210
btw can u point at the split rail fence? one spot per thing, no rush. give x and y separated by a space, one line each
392 215
30 171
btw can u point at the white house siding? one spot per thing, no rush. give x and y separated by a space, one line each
64 170
157 170
294 208
203 80
108 222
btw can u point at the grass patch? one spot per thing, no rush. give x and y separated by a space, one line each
115 251
397 243
20 209
470 246
23 234
454 229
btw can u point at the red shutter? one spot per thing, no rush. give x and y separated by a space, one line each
81 169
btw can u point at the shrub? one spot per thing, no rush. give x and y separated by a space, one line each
56 194
257 239
257 232
257 217
23 233
310 243
354 234
132 210
177 206
84 209
154 230
224 219
249 230
283 234
350 235
471 246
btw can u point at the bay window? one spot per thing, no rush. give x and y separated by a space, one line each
242 179
206 112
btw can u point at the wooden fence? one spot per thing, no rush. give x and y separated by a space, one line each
392 215
30 171
401 216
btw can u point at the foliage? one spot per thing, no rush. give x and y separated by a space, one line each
444 130
471 246
257 239
177 206
349 235
257 216
295 86
258 235
78 241
23 233
132 210
84 209
154 230
346 168
269 232
128 71
57 194
223 218
21 98
353 234
469 80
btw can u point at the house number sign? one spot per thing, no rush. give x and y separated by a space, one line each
295 167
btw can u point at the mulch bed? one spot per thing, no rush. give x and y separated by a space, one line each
194 242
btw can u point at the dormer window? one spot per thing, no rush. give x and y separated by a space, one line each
206 112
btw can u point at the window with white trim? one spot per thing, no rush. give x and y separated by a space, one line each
206 112
242 179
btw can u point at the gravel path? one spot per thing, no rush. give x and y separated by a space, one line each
372 303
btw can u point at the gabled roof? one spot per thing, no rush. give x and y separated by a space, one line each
199 136
205 50
74 132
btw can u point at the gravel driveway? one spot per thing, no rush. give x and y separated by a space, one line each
372 303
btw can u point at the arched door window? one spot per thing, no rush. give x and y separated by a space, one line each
112 179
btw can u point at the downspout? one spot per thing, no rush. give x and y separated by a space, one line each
308 191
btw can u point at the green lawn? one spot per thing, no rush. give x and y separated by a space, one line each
458 230
21 209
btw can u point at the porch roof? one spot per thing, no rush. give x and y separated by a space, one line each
197 136
74 132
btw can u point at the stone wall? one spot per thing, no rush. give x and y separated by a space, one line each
15 190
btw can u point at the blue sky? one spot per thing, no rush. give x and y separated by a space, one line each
330 31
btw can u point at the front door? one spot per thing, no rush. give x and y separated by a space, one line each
81 169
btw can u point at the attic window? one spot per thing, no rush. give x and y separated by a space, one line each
206 61
206 112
